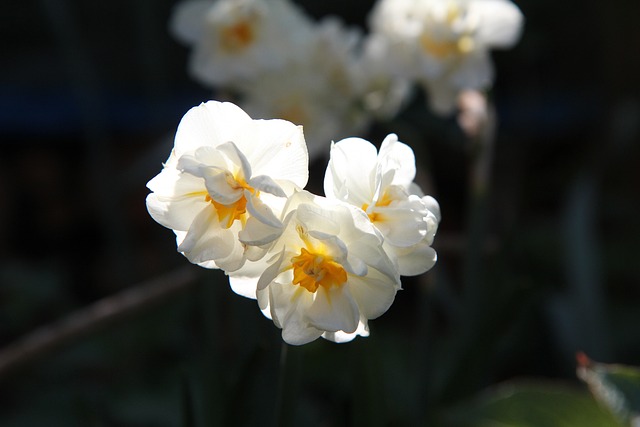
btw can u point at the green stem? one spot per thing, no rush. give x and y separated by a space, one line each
287 387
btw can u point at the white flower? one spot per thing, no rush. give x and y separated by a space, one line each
237 40
445 44
382 185
319 89
226 170
383 93
326 274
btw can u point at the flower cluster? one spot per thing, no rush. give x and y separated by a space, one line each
232 190
334 80
444 44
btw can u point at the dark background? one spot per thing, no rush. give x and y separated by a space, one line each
90 96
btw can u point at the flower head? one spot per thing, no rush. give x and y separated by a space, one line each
326 274
226 170
381 184
319 88
237 40
444 44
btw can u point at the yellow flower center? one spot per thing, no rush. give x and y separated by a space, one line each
385 200
314 268
237 36
443 48
227 214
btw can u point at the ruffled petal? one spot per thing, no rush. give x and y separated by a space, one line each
205 240
414 260
236 157
261 211
209 124
500 22
397 156
267 184
350 175
276 148
333 309
374 293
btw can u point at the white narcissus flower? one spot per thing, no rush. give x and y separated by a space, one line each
381 184
326 275
225 171
383 93
319 88
444 44
237 40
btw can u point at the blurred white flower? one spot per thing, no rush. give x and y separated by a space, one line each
382 92
318 88
224 172
237 40
444 44
326 274
382 186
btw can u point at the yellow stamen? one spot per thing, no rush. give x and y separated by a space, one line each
312 269
385 200
439 49
237 36
228 214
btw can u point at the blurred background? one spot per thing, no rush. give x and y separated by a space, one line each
547 266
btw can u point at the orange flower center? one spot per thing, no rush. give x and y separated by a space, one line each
385 200
237 36
443 48
313 268
228 214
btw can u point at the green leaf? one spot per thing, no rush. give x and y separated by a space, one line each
532 405
616 386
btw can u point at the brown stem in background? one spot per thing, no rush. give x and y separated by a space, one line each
88 319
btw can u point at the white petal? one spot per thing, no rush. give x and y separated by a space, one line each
500 24
433 206
333 309
402 226
187 20
397 156
237 158
276 148
205 240
175 213
267 184
257 233
415 260
352 164
342 337
209 124
218 187
263 303
244 286
261 211
315 218
270 273
373 293
298 333
236 258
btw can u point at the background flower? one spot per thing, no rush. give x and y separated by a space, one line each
319 88
237 40
444 44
